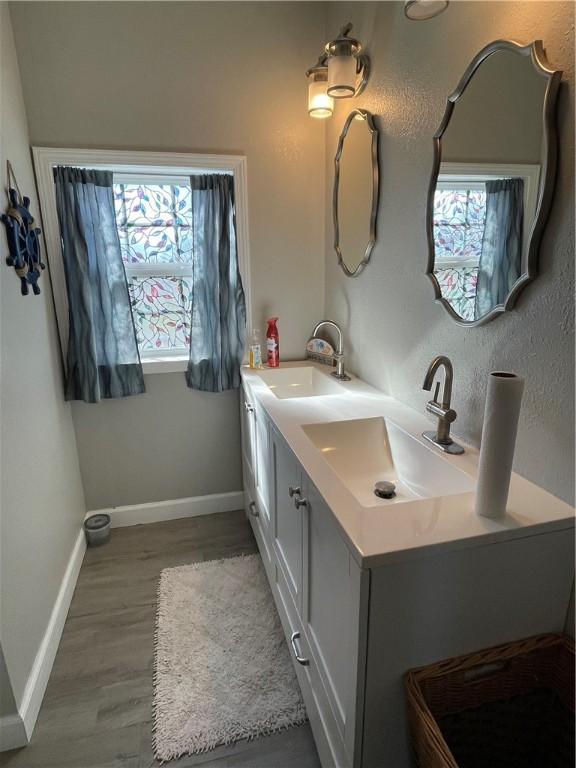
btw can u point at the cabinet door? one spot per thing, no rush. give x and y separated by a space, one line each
287 517
248 428
262 464
331 613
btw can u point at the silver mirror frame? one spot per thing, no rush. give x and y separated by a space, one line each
369 118
536 52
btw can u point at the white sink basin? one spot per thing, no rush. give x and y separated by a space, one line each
304 381
364 451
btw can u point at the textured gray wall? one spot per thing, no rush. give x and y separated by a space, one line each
393 327
206 77
41 502
184 444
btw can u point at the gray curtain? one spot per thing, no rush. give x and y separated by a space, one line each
218 323
501 259
102 359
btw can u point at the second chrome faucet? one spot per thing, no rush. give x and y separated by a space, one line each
446 415
338 356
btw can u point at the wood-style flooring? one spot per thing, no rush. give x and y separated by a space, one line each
97 712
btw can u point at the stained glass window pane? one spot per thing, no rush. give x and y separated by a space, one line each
152 204
459 218
154 224
458 287
161 309
450 206
476 211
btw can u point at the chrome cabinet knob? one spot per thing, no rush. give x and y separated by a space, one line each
253 509
300 503
297 652
294 491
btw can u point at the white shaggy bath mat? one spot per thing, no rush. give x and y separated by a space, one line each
222 667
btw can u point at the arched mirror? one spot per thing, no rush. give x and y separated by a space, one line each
492 181
355 200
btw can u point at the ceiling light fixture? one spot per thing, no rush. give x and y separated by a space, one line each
421 10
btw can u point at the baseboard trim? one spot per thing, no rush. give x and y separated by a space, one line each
16 730
12 733
40 673
173 509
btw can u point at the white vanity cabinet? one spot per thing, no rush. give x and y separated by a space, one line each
255 429
316 583
319 586
354 628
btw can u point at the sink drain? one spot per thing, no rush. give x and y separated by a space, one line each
384 489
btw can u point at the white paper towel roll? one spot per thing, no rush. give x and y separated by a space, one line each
503 400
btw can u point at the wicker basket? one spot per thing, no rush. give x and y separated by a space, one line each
508 706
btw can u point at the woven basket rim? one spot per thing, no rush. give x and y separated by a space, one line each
426 732
500 652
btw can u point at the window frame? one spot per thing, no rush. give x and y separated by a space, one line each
452 174
152 165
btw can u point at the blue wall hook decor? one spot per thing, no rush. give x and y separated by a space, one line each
23 238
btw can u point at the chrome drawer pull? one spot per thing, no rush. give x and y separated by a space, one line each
297 654
253 511
300 503
294 491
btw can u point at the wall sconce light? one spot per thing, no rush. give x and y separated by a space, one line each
348 67
341 72
319 103
420 10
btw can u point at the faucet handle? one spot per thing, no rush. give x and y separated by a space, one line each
446 414
436 392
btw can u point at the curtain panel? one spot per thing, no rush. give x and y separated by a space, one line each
102 358
501 257
218 321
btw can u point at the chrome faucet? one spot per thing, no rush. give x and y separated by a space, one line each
446 414
339 373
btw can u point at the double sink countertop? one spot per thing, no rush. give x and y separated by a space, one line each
379 530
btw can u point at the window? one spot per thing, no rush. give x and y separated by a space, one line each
154 220
459 218
153 214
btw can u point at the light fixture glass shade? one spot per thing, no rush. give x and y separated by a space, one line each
319 103
341 76
420 10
